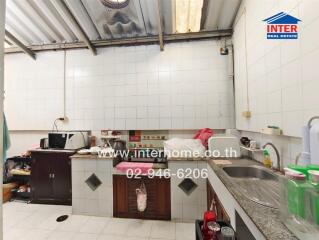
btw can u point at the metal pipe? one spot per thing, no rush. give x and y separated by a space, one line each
159 23
130 41
277 153
311 120
20 45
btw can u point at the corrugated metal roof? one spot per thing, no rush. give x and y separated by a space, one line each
38 22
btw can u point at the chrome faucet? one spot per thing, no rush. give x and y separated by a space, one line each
277 153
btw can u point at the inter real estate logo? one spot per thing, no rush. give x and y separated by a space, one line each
282 26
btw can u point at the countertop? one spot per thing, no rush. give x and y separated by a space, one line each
89 156
186 159
266 219
53 150
195 159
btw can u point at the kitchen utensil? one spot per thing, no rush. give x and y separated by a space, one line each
245 141
227 233
44 143
253 145
214 228
119 146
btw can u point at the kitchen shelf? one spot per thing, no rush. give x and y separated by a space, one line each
251 150
272 131
110 137
21 173
143 148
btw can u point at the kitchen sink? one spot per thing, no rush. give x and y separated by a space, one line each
249 172
256 183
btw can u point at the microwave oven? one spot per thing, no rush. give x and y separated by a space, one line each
68 140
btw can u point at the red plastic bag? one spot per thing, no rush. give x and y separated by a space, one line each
203 135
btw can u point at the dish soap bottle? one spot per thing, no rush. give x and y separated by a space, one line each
267 161
312 197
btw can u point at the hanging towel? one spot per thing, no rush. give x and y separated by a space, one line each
6 138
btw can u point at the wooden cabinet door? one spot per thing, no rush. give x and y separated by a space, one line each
125 199
218 208
41 181
62 183
151 208
158 198
163 198
120 197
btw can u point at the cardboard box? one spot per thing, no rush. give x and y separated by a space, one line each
7 191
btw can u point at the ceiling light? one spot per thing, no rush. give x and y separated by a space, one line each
188 15
115 4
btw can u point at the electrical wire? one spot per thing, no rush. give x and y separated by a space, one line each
246 62
64 85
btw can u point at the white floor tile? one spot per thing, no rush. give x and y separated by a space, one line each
119 227
10 234
38 222
73 224
185 231
163 230
85 236
140 229
109 237
36 234
59 235
95 225
50 222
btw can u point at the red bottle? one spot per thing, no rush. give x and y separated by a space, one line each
209 216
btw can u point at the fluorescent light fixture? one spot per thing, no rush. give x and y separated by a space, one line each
188 15
116 4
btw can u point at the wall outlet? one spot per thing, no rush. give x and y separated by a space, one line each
246 114
63 119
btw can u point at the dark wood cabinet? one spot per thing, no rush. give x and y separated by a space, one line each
51 177
158 198
216 205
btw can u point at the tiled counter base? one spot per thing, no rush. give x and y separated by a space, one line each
92 187
188 197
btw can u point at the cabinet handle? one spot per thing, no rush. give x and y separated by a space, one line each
49 175
53 176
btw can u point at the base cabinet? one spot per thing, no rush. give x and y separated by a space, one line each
215 204
51 178
125 199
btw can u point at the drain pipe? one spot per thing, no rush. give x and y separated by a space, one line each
64 86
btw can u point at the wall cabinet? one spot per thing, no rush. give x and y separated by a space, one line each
51 177
158 198
213 200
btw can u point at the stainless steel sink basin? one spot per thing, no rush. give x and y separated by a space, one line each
256 183
249 172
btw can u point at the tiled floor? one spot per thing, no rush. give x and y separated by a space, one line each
38 222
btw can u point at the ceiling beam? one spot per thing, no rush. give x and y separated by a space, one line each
8 41
131 41
67 12
20 45
159 23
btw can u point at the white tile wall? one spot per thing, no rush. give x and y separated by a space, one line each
33 90
185 87
282 74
